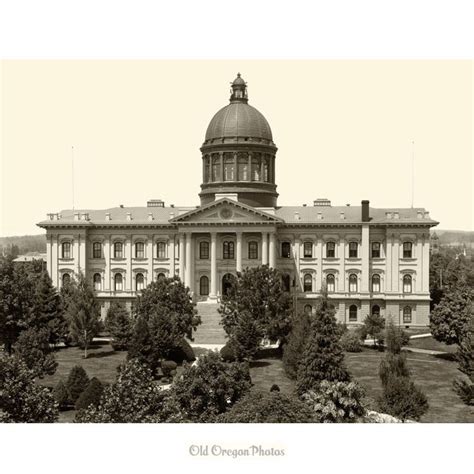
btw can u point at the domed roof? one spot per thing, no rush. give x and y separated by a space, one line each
238 120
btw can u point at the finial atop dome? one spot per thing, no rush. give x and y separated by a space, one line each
239 90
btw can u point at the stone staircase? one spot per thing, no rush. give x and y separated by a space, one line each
209 331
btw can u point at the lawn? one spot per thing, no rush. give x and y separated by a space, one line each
432 344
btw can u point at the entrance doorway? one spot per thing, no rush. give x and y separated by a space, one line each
227 280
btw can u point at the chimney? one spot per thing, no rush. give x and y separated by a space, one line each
129 216
107 216
365 211
150 216
76 216
297 216
342 216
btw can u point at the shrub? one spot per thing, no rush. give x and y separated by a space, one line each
336 402
245 336
119 325
268 407
182 352
351 342
168 367
91 395
76 383
61 395
374 326
274 388
293 349
227 352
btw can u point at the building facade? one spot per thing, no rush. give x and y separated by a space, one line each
371 260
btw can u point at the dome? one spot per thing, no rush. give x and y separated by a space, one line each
238 119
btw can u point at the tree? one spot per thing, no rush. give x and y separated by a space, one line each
119 325
268 407
133 398
464 387
323 357
374 325
83 313
21 399
293 349
91 395
209 387
141 345
451 318
336 402
77 382
246 337
61 395
400 397
33 347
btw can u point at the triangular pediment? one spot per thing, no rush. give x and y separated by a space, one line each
225 211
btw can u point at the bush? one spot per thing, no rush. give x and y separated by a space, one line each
293 349
274 388
168 367
336 402
268 407
227 352
61 395
183 352
76 383
91 395
351 342
119 325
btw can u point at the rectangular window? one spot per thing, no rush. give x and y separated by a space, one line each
204 251
308 250
375 249
285 250
353 249
96 250
66 250
228 250
330 250
253 250
161 250
118 250
139 250
407 249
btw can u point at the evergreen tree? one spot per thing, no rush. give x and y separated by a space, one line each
83 313
91 395
77 382
141 346
293 349
119 325
464 387
323 357
61 395
246 337
374 325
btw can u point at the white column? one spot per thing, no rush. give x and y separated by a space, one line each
150 256
396 264
365 258
425 287
238 254
188 266
171 255
213 292
49 265
76 253
388 263
419 264
319 256
128 283
296 251
83 255
272 250
182 256
341 254
107 245
264 248
55 251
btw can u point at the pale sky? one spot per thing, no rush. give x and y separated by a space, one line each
343 131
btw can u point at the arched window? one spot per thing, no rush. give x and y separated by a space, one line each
308 309
161 249
330 250
204 250
352 312
139 282
353 283
160 276
407 284
228 250
139 250
96 250
286 282
376 309
353 249
308 249
330 283
407 249
204 286
66 250
308 282
118 282
253 250
285 249
97 279
118 250
376 283
66 279
407 314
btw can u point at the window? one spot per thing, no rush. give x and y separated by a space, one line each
407 249
97 280
66 250
228 250
407 314
255 169
285 249
330 250
204 286
216 168
139 282
139 250
118 250
253 250
243 162
353 283
204 250
407 284
161 276
308 249
375 249
352 312
118 282
308 309
161 250
376 283
376 310
308 282
352 249
331 283
266 173
286 282
96 250
66 279
229 167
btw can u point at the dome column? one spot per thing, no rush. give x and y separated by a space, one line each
272 250
264 248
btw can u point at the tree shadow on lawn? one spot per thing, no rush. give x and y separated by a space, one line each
258 363
449 356
96 355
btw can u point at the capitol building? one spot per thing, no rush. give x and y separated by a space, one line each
371 260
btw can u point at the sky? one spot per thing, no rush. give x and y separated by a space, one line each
344 131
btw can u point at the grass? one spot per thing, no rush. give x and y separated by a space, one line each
432 344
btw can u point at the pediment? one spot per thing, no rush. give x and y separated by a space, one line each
225 211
